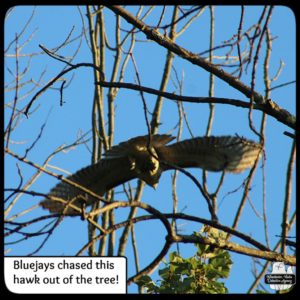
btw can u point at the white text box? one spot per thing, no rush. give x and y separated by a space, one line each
101 275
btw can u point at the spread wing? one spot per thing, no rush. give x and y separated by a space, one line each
225 153
98 178
131 159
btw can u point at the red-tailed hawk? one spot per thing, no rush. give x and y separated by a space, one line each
133 159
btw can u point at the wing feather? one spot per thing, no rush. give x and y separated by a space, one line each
225 153
98 178
126 148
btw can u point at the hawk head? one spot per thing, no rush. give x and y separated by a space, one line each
146 166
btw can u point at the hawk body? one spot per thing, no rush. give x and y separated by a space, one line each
136 159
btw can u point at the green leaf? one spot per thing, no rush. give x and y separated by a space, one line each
164 273
261 292
144 280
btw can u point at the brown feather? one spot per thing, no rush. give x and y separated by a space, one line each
98 178
225 153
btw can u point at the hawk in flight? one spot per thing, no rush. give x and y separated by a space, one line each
136 159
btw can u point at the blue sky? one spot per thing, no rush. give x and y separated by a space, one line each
51 25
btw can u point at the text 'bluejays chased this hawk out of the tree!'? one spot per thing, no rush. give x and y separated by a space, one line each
136 159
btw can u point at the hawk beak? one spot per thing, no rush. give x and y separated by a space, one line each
154 185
